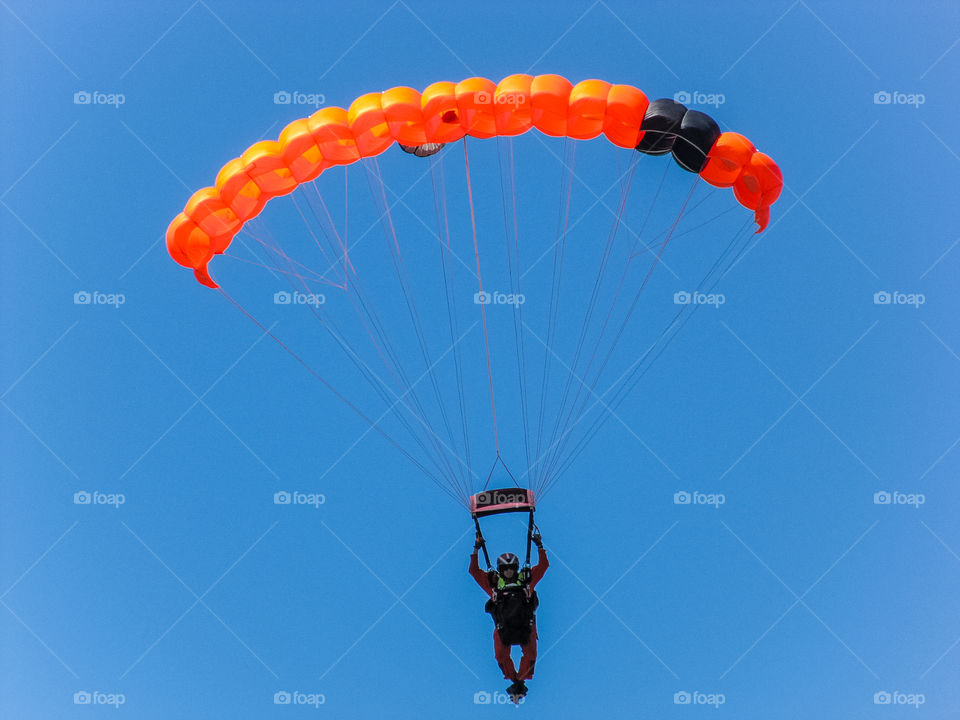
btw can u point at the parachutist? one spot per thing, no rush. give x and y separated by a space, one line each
513 604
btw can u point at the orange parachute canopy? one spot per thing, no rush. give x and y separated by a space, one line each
445 112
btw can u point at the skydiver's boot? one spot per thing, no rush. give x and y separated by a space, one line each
517 692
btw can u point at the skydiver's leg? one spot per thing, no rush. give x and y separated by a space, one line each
502 653
529 658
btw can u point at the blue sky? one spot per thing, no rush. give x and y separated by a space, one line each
798 399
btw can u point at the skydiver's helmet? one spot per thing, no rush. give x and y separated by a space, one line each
508 560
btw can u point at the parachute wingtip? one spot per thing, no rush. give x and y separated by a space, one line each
762 217
203 277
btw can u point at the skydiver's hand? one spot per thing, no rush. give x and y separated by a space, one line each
479 542
537 540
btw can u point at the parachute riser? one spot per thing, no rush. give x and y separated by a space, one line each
483 544
530 527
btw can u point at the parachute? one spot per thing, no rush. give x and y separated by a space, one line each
446 112
426 125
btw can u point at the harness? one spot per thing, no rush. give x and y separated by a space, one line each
513 607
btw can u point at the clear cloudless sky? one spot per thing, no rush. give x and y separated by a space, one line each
799 399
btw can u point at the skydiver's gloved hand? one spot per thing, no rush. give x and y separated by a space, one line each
479 542
537 540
